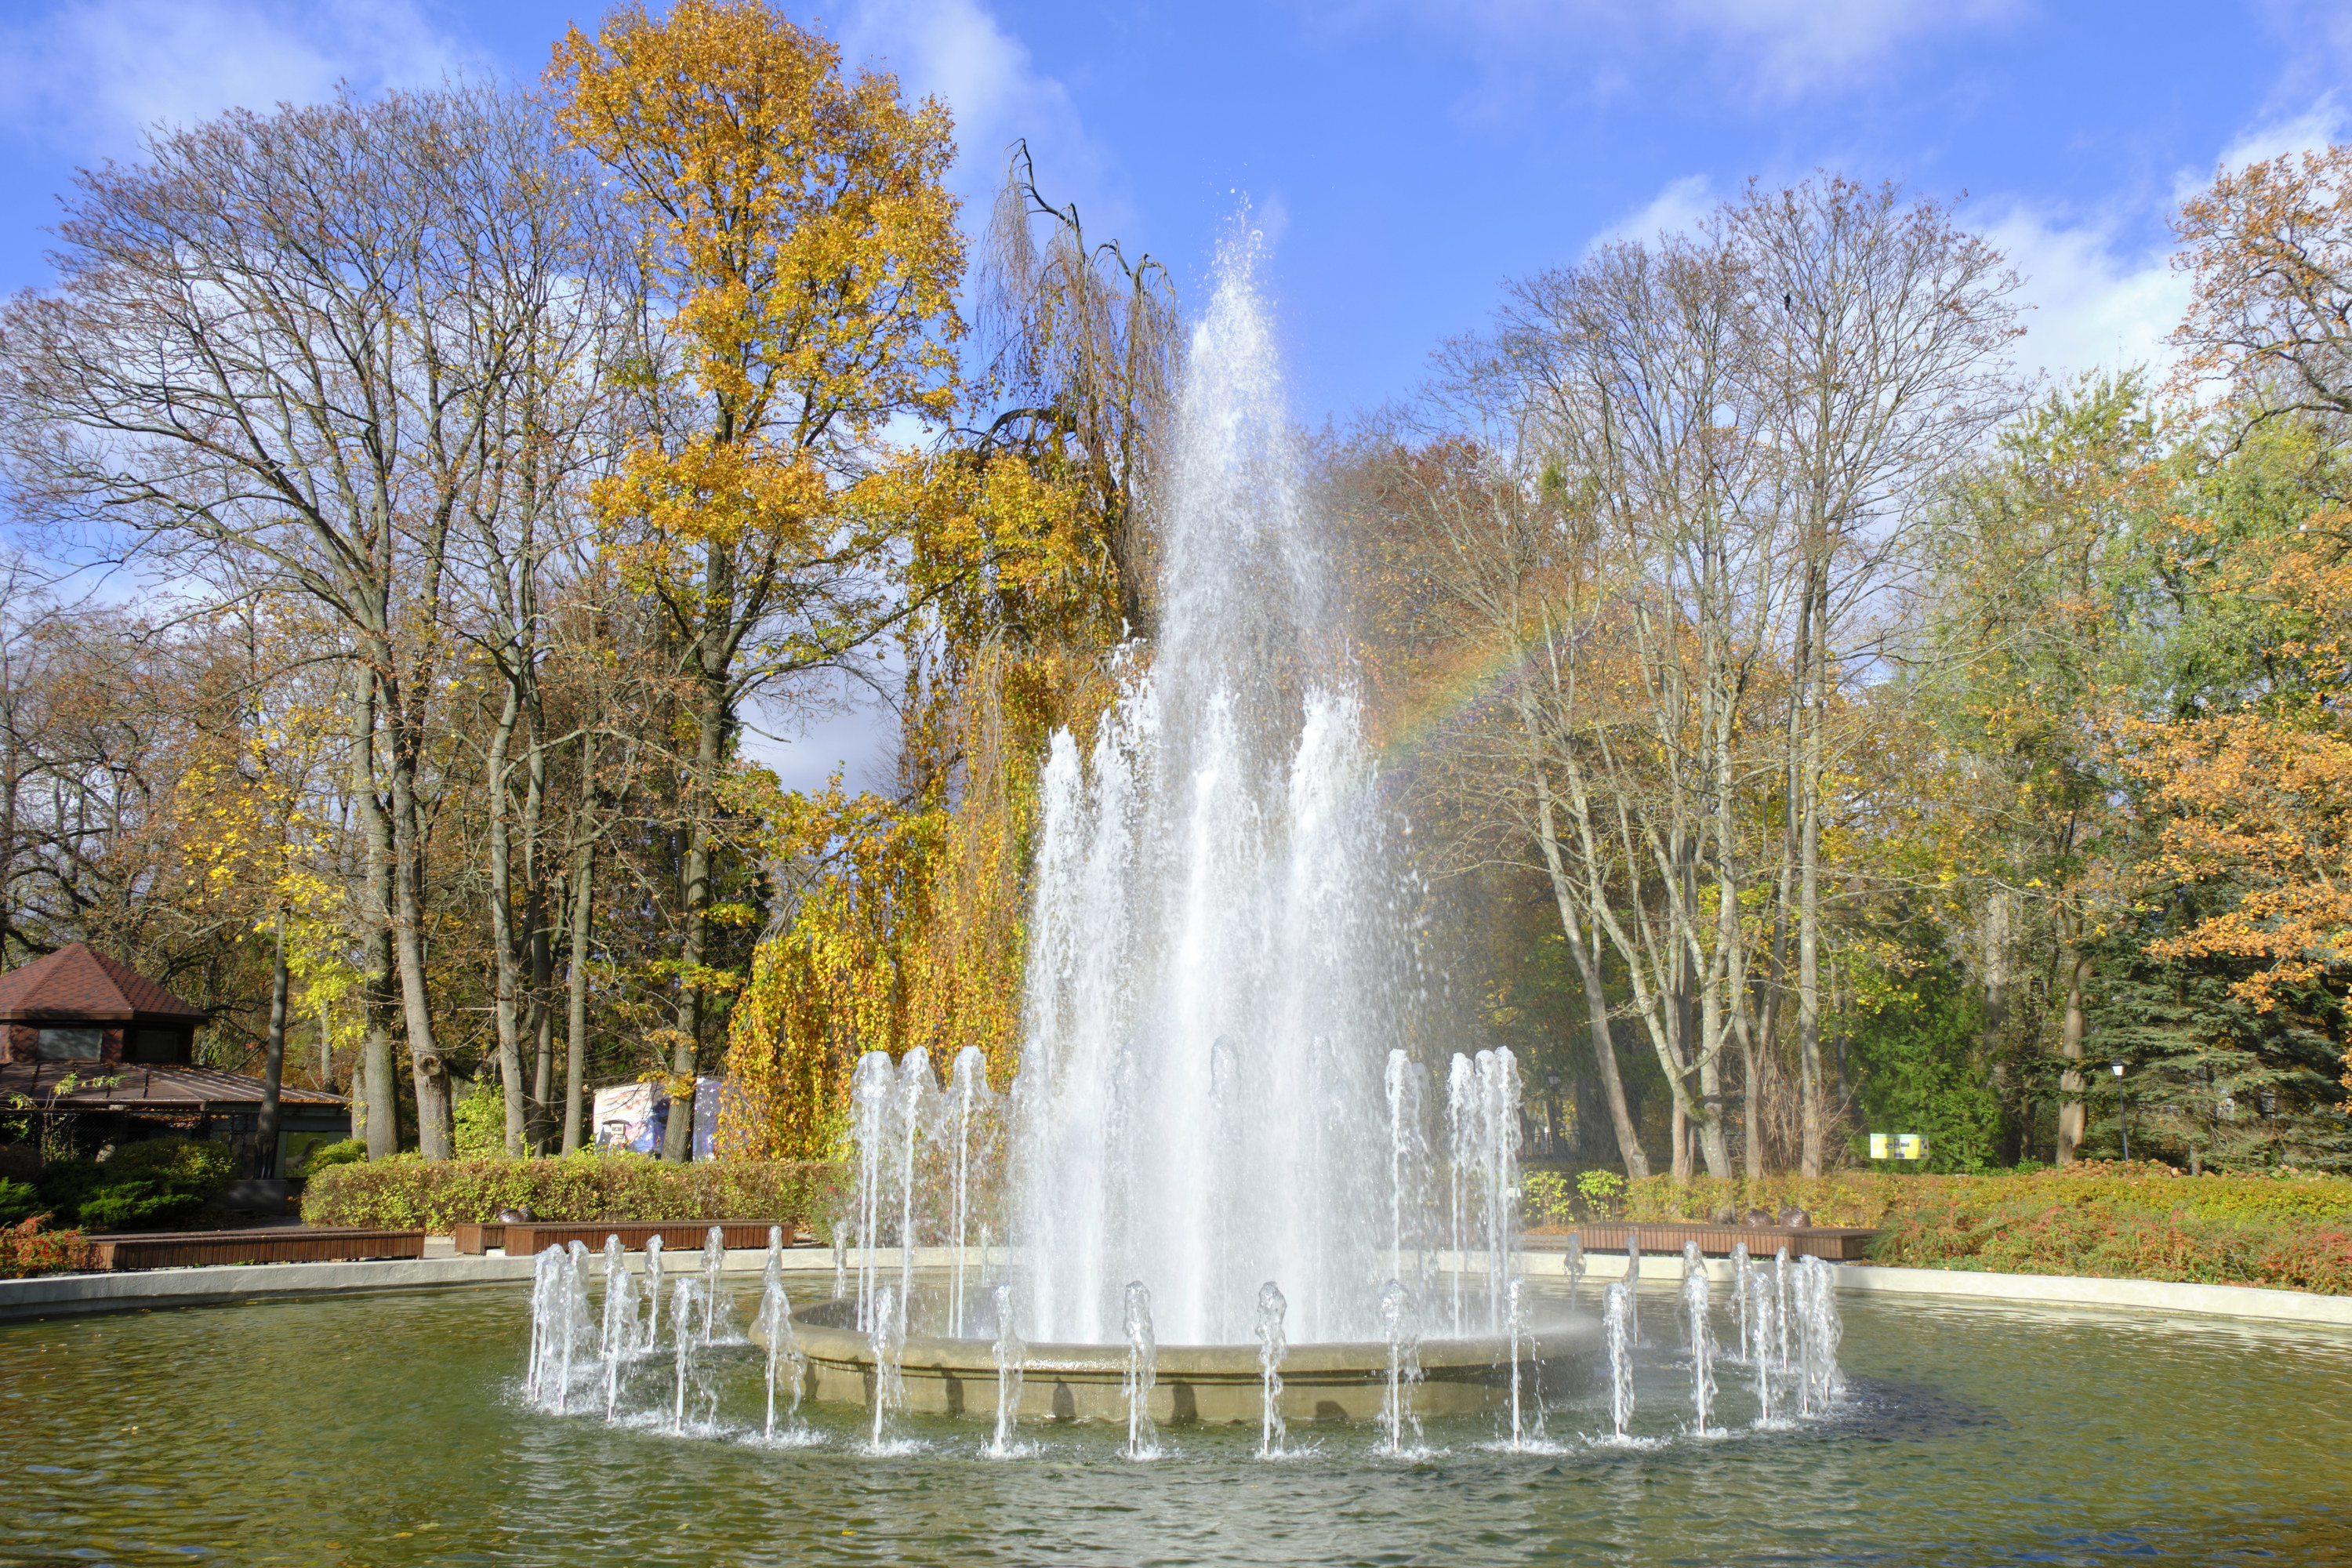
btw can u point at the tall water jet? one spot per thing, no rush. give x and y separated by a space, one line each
1401 1086
967 1093
1012 1360
1617 1327
714 1273
917 1094
653 1289
841 1230
1142 1372
1271 1349
1781 1303
683 1300
618 1341
1633 1284
1740 1303
886 1336
1702 1346
776 1332
1461 1140
869 1120
1210 862
1400 1330
1759 1290
1572 1264
1818 1333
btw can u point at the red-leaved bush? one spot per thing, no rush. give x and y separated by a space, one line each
27 1250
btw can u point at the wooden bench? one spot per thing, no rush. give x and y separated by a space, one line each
275 1244
525 1240
1835 1243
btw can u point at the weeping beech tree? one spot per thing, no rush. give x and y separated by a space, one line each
1029 559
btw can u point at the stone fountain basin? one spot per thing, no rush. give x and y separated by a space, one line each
1197 1384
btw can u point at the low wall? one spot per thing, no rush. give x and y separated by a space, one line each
61 1295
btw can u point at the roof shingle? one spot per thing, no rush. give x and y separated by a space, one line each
75 983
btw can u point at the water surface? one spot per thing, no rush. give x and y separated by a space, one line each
389 1429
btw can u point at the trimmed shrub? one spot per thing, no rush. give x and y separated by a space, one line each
192 1165
2110 1220
405 1192
342 1152
27 1250
147 1183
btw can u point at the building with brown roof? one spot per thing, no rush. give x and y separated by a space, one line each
83 1035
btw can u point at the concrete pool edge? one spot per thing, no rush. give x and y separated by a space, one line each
64 1295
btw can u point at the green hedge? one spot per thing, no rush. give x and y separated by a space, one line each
404 1191
2101 1220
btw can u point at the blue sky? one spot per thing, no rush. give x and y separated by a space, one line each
1404 156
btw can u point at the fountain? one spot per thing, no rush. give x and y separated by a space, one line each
1271 1308
1617 1324
773 1331
1739 1302
1404 1369
1142 1372
1012 1358
888 1339
715 1303
1702 1344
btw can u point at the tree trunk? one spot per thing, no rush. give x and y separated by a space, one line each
273 1060
1596 999
2073 1114
677 1139
382 1096
1808 882
435 1132
505 978
584 873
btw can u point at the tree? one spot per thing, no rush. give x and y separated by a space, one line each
797 231
1884 364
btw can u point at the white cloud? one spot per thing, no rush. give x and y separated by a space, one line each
957 51
2306 130
1772 50
92 75
2097 302
1679 208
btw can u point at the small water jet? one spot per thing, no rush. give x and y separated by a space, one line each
1012 1360
685 1296
1142 1372
1270 1307
1702 1345
1524 1384
1572 1266
889 1339
1617 1328
1401 1333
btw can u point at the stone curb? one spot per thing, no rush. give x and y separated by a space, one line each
67 1295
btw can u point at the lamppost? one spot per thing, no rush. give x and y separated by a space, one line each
2123 1110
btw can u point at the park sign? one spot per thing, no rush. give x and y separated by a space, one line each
1897 1146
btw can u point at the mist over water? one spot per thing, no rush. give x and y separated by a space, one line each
1216 948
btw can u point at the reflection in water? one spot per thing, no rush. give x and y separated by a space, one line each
356 1430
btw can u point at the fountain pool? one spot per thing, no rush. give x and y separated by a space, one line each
393 1429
